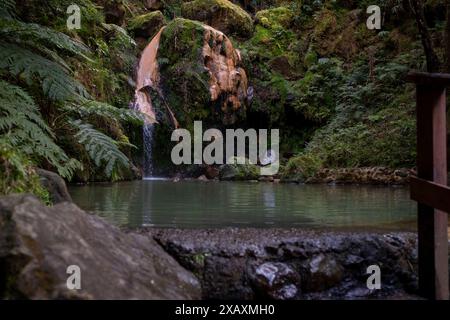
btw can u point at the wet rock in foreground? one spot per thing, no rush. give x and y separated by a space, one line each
294 264
38 243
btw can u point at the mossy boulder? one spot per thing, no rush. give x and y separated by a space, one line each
275 17
201 77
235 170
273 35
220 14
147 25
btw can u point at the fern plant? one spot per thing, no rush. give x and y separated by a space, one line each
32 54
95 108
24 128
103 150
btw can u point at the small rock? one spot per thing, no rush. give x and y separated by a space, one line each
276 280
202 178
55 185
211 172
324 272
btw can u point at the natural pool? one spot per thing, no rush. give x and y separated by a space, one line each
194 204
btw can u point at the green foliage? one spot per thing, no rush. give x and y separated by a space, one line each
374 123
7 9
301 167
103 150
20 32
21 124
39 90
275 18
318 90
55 80
101 109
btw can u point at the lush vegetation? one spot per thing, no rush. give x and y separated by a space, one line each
334 88
49 117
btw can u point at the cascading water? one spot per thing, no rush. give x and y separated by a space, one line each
148 150
147 77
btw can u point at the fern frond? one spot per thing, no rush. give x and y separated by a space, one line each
17 31
101 149
91 108
56 82
7 9
22 125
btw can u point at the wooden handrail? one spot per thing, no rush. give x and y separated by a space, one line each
430 187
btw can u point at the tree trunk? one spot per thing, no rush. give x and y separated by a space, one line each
431 57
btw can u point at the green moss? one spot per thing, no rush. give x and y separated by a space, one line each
310 58
239 172
273 35
220 14
184 79
146 20
275 18
325 23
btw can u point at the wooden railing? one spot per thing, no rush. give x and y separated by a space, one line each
429 188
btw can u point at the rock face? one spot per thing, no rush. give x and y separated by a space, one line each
55 185
294 264
201 76
220 14
147 25
39 243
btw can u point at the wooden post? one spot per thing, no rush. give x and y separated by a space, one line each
432 166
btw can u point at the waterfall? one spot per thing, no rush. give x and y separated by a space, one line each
148 149
147 78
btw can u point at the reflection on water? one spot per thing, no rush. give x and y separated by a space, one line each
191 204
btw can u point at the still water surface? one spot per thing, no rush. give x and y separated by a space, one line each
194 204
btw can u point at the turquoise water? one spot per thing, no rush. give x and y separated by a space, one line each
194 204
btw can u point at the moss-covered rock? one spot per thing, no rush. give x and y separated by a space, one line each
147 25
201 77
220 14
273 36
275 17
234 171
